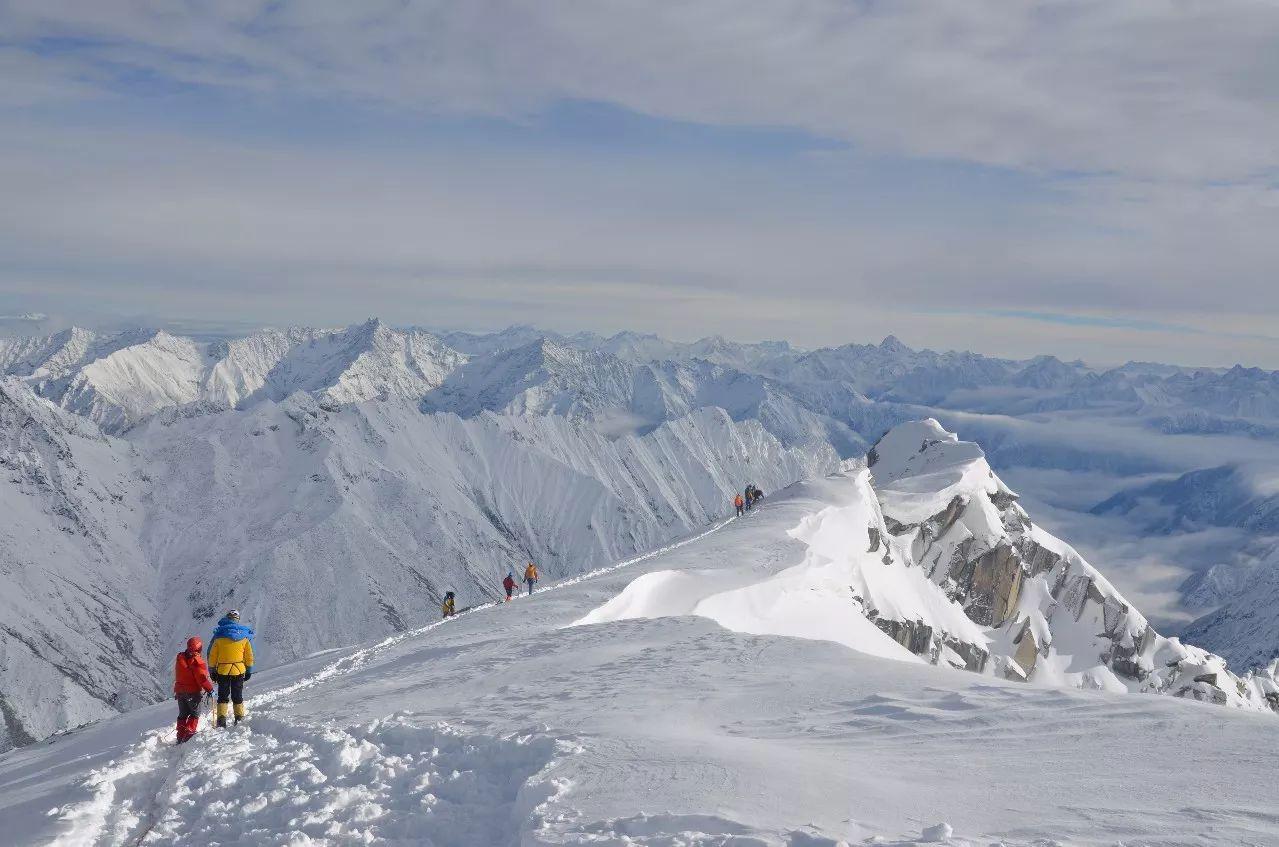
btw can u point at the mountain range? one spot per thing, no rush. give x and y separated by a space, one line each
332 484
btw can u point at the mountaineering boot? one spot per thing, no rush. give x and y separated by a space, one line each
222 710
239 712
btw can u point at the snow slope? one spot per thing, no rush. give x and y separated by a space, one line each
340 525
847 587
78 634
618 395
507 725
328 524
245 469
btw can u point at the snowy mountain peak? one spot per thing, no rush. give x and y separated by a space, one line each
893 344
928 463
1049 615
118 380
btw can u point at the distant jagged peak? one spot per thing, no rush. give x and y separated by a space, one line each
630 335
120 378
488 343
376 332
1046 372
714 341
371 326
546 358
893 344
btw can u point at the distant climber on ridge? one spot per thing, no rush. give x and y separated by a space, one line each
530 576
450 605
191 682
509 584
231 663
740 505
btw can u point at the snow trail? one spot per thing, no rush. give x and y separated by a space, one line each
152 770
519 730
359 658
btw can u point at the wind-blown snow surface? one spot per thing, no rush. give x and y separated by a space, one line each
508 725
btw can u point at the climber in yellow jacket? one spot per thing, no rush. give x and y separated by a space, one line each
530 576
231 663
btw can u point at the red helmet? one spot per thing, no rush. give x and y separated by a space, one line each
194 644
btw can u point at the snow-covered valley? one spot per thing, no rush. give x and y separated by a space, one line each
744 721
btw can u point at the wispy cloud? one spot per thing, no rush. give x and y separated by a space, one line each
873 167
1158 88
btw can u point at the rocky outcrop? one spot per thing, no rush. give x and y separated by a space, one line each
993 585
922 640
1045 610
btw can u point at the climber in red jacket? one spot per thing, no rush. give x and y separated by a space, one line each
190 682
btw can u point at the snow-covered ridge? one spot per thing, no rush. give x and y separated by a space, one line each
120 379
326 524
1048 615
507 724
249 467
938 561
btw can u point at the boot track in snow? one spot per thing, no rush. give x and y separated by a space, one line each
152 769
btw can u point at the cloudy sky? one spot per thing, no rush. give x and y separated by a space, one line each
1091 178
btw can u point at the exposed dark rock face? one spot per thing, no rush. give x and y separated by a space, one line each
915 636
922 640
994 586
